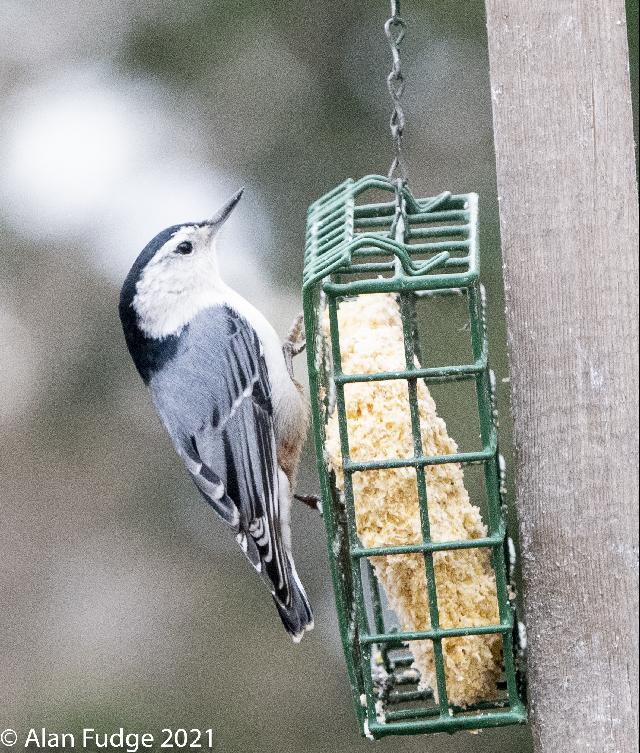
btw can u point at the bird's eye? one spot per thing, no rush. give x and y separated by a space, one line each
185 247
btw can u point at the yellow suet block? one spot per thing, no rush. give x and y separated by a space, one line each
386 504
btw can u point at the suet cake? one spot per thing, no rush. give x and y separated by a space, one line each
387 511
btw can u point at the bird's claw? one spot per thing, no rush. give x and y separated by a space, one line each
311 500
295 342
295 338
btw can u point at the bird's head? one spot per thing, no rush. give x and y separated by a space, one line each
175 276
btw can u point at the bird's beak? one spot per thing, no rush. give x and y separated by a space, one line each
221 216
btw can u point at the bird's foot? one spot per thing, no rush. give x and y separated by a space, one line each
295 342
311 500
295 337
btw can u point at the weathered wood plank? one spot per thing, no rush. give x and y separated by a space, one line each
569 223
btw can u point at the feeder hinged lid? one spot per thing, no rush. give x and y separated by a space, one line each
349 245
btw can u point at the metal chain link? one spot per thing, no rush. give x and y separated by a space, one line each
394 30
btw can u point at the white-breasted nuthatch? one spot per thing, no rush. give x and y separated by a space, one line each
222 383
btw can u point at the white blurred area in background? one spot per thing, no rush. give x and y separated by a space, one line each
92 162
92 157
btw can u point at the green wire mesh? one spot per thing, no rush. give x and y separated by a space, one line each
349 252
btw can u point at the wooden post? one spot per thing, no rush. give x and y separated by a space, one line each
569 223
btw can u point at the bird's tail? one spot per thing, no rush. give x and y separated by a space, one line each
297 617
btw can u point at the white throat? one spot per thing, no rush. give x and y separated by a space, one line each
172 289
167 314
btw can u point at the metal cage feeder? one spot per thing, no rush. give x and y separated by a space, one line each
435 254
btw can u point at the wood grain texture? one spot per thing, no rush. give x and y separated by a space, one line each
569 223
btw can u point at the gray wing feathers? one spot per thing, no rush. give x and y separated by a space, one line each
215 400
212 488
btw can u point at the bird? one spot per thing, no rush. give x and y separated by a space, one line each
222 383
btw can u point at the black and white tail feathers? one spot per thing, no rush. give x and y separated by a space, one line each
297 617
288 594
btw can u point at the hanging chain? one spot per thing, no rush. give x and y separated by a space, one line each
394 29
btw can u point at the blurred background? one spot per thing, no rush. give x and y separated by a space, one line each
124 602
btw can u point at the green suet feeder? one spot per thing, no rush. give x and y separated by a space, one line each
419 251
